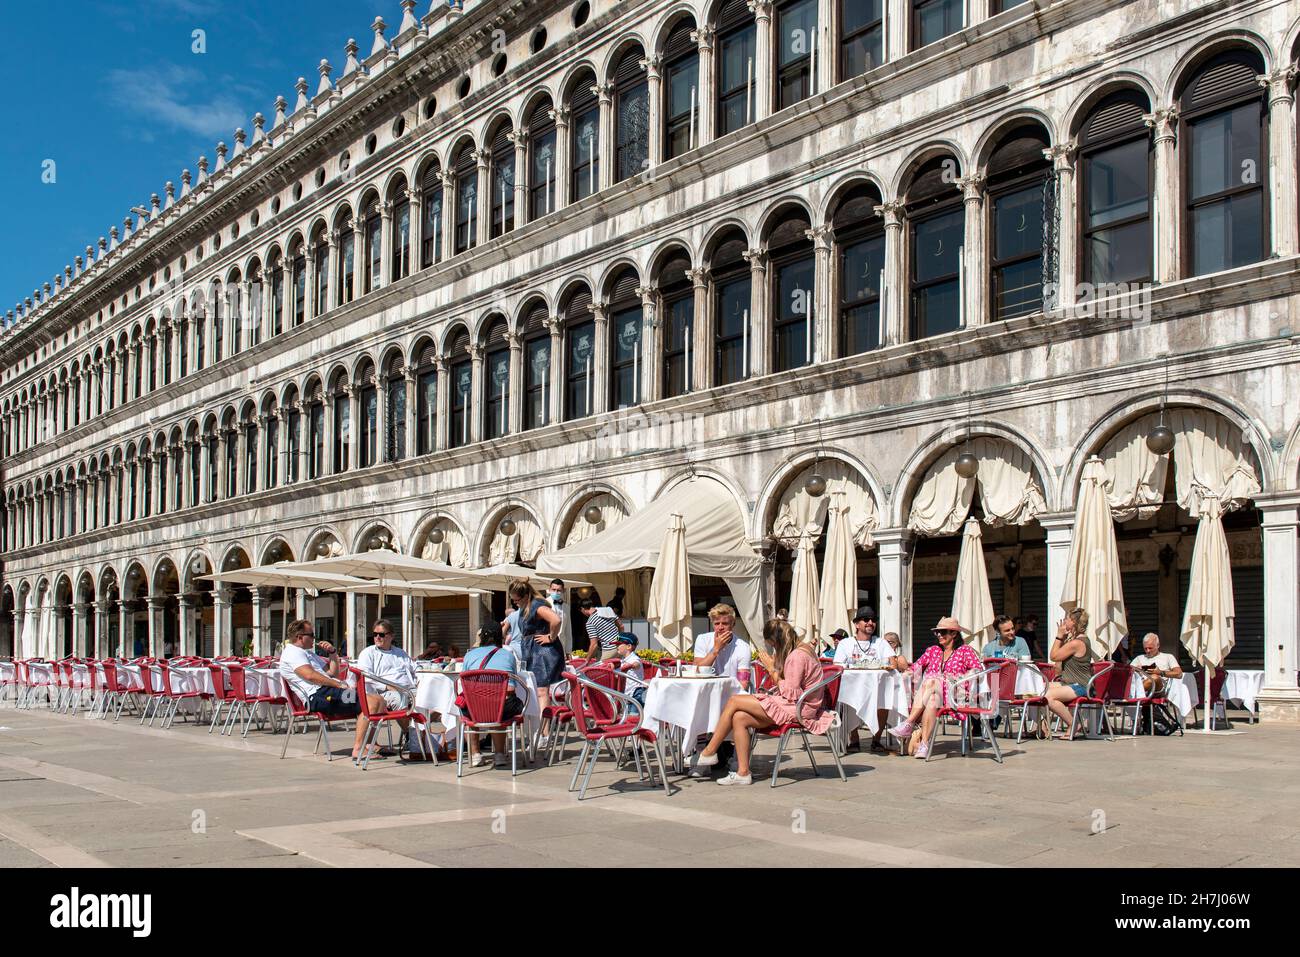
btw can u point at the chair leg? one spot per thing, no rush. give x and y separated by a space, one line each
935 730
780 750
577 767
591 766
288 733
514 750
993 739
807 747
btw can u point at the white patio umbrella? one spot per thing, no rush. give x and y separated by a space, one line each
1207 631
499 577
805 597
971 602
283 575
386 568
1092 580
48 646
839 591
668 606
29 643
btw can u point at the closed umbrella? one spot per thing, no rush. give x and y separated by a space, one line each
1092 579
839 591
805 597
669 606
1207 631
29 640
48 646
972 605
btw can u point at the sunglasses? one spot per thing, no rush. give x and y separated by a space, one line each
379 634
946 631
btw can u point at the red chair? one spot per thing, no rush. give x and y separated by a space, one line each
247 703
115 690
1216 693
153 696
963 704
563 716
375 721
761 677
830 684
10 682
484 691
593 701
1108 685
220 693
297 709
174 697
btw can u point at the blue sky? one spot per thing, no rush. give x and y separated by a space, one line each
113 93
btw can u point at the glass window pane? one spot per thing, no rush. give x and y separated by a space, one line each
936 310
1225 150
1122 254
936 19
1118 183
935 245
1228 233
733 314
633 131
797 31
1018 223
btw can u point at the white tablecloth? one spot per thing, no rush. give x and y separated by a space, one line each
864 691
692 704
1181 694
40 673
129 676
437 692
1243 686
263 681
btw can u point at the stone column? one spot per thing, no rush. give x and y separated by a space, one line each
416 196
1060 535
222 632
261 623
386 252
411 383
448 214
599 381
824 318
355 426
1282 159
974 308
893 294
562 161
703 333
1067 279
125 628
156 607
475 407
484 212
896 28
608 155
523 175
441 430
764 61
331 272
894 548
352 630
515 387
1279 700
80 646
705 106
222 490
650 361
1164 214
281 446
760 333
555 395
100 646
655 151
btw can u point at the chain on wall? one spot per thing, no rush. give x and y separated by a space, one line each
1051 240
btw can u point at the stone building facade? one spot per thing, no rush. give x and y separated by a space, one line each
527 258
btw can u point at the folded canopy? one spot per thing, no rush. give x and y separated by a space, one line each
716 545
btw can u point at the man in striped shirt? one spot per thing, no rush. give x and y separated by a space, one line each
603 627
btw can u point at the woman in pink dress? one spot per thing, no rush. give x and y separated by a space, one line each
796 669
949 658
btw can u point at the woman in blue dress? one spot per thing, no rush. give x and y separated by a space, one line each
538 639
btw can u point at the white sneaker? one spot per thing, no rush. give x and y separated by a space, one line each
478 761
702 760
734 778
501 761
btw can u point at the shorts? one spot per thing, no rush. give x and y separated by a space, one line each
335 702
393 699
638 695
1079 690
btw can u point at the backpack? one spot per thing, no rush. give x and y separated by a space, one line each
1162 722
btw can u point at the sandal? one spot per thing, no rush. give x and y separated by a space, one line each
376 754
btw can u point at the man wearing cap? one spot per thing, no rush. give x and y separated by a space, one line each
629 663
864 644
835 637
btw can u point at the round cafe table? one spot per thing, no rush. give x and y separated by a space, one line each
865 691
1244 687
436 692
688 706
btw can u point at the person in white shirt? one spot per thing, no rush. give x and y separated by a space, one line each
559 603
721 649
630 664
320 686
864 643
1157 666
385 660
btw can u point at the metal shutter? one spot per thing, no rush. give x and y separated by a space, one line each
1141 603
930 602
1227 76
1119 113
1248 627
1033 599
447 626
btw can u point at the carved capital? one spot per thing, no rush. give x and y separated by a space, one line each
1164 122
891 212
1062 155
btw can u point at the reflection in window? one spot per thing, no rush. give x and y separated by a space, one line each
862 36
1115 183
932 20
796 26
737 35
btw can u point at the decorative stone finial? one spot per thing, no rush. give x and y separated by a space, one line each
67 275
112 238
408 17
380 45
352 66
103 244
302 103
324 70
77 264
240 136
258 122
221 157
154 205
170 189
203 170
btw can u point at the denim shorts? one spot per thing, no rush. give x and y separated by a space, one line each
335 702
1079 690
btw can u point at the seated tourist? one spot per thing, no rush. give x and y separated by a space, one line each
950 658
795 668
833 639
385 660
1157 667
630 665
1007 644
864 643
317 684
721 649
1073 653
431 651
490 655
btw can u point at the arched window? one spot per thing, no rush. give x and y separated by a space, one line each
678 298
502 182
792 272
195 449
537 368
1017 177
932 20
316 432
1225 173
461 371
373 273
218 324
369 397
936 228
431 228
626 320
797 51
681 85
737 42
342 426
231 465
137 374
426 399
542 169
275 268
347 260
860 269
466 170
584 132
178 473
298 276
496 381
183 330
272 445
321 254
162 486
631 116
146 489
862 36
250 451
732 295
395 418
401 238
132 477
579 354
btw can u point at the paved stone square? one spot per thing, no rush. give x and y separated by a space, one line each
78 792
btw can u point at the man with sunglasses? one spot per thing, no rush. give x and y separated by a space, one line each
385 660
322 687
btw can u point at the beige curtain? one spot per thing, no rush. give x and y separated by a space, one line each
521 547
452 550
1209 456
799 512
1008 490
611 513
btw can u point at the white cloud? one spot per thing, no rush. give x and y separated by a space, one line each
174 97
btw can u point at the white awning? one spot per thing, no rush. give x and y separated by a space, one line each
716 545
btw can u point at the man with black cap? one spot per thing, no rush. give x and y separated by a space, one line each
835 637
862 645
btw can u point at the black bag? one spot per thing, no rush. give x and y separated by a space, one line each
1163 723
